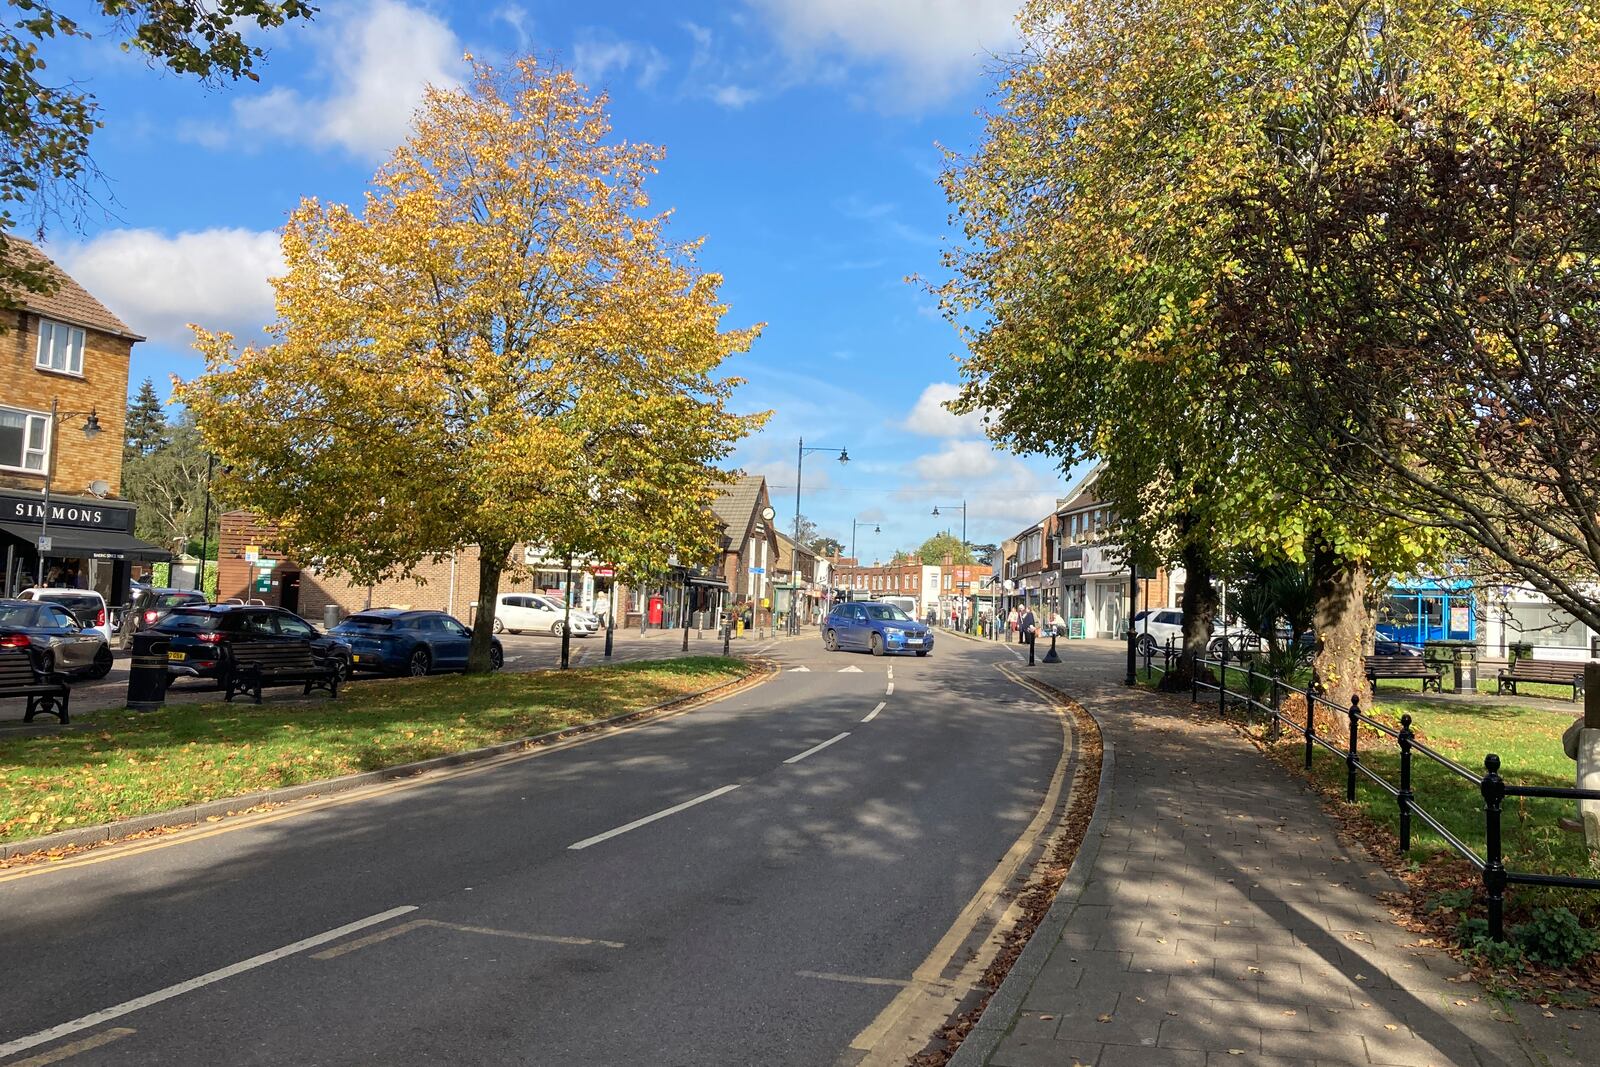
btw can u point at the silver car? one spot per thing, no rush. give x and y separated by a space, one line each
58 643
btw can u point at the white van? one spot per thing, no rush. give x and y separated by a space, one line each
520 612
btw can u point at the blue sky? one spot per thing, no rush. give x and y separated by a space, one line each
802 141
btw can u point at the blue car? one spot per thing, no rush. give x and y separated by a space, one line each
391 641
876 628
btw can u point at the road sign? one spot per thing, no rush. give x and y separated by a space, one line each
603 572
44 543
265 564
758 570
252 553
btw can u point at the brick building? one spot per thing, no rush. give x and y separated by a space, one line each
63 401
905 578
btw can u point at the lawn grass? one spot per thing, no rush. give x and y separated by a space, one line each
134 764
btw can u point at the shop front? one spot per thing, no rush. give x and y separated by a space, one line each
1106 581
1073 600
86 543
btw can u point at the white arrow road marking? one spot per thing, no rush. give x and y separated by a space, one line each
662 814
817 748
799 670
105 1015
874 713
849 670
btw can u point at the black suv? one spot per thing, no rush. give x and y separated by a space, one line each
150 606
203 637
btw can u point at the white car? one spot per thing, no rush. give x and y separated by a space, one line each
1154 627
85 605
524 612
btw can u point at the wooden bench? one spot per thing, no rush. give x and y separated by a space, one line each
1404 667
254 666
18 679
1550 672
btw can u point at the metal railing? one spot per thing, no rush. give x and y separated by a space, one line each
1491 786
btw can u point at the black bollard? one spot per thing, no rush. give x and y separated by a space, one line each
611 625
1051 657
147 678
727 633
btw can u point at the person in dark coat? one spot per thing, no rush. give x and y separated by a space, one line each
1028 629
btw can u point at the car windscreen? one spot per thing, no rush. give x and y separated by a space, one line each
172 600
77 604
886 613
366 622
191 620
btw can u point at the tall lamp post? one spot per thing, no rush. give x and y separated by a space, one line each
91 429
856 524
205 529
963 508
799 476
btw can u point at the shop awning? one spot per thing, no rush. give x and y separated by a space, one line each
77 541
707 583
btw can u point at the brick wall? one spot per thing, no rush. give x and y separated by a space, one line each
102 388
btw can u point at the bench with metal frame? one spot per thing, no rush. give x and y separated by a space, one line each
1547 671
1404 667
18 678
269 663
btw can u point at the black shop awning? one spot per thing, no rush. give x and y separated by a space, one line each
87 543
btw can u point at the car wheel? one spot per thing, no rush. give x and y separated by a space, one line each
419 663
557 627
47 664
499 627
877 644
102 664
341 670
497 658
1219 647
922 652
1147 645
830 641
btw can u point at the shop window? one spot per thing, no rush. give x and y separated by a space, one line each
60 347
1545 625
24 439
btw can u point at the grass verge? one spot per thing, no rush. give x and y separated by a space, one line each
135 764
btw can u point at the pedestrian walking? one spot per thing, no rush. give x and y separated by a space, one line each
1028 626
1011 626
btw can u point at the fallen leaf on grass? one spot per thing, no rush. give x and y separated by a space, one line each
1104 1017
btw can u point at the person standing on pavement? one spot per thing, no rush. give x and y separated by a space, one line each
1028 629
1011 625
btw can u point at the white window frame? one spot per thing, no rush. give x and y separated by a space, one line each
72 358
43 451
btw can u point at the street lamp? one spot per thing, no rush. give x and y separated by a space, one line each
854 523
91 430
799 474
963 508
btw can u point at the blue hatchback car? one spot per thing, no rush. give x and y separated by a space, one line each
876 628
391 641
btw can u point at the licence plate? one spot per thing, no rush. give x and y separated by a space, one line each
913 640
355 659
175 655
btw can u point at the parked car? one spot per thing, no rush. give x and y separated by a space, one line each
523 612
84 605
392 641
204 637
58 643
150 605
1162 624
876 628
1386 646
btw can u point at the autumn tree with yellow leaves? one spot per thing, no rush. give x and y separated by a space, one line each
499 346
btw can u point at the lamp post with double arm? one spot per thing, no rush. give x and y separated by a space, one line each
963 509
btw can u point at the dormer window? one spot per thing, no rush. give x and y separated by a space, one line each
60 348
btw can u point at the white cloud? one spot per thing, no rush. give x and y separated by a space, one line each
594 58
158 283
928 47
733 96
1003 493
376 59
931 418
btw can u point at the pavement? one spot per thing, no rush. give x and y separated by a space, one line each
769 879
1215 917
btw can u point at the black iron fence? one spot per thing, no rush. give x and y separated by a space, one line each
1493 788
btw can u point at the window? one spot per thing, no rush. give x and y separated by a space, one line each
60 347
1545 625
947 580
24 438
293 627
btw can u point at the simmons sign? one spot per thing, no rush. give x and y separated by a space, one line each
97 515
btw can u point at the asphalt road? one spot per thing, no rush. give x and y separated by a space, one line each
748 883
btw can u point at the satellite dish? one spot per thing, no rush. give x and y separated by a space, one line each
100 488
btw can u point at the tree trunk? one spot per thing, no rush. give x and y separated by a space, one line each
1199 611
1338 670
491 565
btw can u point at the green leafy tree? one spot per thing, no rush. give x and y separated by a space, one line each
145 430
827 546
46 126
168 484
933 551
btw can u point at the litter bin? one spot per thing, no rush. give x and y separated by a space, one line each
1457 663
330 616
147 675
